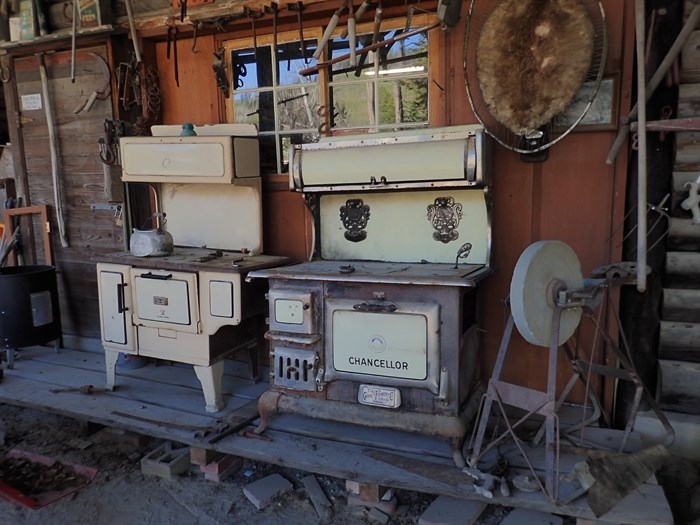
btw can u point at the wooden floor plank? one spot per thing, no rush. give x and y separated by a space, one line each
161 404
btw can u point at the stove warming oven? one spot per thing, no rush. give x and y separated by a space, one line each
379 328
193 305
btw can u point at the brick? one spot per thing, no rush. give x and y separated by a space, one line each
387 507
262 492
203 456
371 492
445 510
221 468
531 517
166 462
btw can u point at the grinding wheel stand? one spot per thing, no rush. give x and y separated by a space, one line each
548 296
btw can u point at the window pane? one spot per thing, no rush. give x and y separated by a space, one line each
403 101
290 61
245 108
297 108
250 71
353 104
408 53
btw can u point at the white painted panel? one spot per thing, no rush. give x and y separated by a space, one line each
399 228
215 216
412 162
381 344
289 311
221 298
164 159
113 321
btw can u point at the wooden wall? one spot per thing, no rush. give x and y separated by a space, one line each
90 227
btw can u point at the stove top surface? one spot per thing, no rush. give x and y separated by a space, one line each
197 259
378 271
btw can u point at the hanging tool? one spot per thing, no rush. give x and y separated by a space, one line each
219 67
389 41
172 39
53 146
299 7
253 15
358 15
183 10
101 93
377 22
352 41
195 30
332 23
74 30
273 9
132 29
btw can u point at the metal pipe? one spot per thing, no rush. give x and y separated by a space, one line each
53 146
132 29
640 18
656 79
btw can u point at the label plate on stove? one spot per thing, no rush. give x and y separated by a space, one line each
379 396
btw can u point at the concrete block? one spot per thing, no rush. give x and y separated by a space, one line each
531 517
387 507
353 487
262 492
165 461
583 521
377 516
221 468
125 440
445 510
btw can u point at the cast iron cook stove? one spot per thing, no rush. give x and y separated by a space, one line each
380 328
193 305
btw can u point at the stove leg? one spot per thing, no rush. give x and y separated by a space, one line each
211 378
111 357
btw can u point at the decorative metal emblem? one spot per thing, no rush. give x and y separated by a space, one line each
445 215
355 216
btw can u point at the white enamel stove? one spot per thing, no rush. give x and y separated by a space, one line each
194 305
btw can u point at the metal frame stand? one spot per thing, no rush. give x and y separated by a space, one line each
546 403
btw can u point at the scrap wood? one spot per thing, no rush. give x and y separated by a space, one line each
613 476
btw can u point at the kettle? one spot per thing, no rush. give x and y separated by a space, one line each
151 243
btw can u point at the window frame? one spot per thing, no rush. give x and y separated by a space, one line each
435 44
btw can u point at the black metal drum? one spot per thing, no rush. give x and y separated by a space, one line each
29 310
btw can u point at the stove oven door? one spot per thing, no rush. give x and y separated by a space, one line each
383 343
165 299
113 282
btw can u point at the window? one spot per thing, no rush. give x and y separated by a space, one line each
387 89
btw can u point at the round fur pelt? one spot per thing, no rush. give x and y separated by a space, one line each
532 57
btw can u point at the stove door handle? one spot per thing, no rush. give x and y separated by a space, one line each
120 298
159 277
375 307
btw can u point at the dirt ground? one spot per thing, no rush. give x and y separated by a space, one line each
121 495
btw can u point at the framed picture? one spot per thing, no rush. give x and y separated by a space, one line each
603 112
